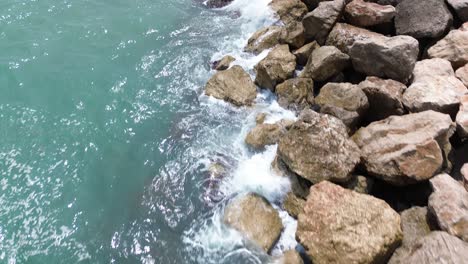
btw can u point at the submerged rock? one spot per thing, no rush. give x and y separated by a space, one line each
289 11
434 87
342 226
325 62
302 54
233 85
453 47
406 149
321 20
449 204
217 3
365 14
461 8
264 38
256 219
296 94
224 63
317 148
275 68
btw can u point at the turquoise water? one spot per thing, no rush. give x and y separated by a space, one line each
106 137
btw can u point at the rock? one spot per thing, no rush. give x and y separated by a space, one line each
265 134
462 74
434 87
386 2
343 36
392 58
275 68
344 101
312 4
260 118
296 94
321 20
324 63
385 97
263 39
406 149
293 204
217 3
360 184
233 85
302 54
461 8
256 219
415 223
422 19
289 11
464 173
449 204
453 47
224 63
342 226
293 34
437 247
317 148
365 14
290 257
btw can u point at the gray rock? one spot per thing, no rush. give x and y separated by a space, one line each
275 68
422 19
343 36
325 62
217 3
360 184
233 85
416 223
461 8
302 54
293 34
321 20
406 149
449 204
365 14
385 97
263 39
289 11
453 47
296 94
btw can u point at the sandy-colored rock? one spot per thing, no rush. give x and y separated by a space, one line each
437 247
344 101
461 8
264 38
302 54
385 97
385 57
342 226
224 63
293 204
325 62
365 14
449 204
275 68
260 118
293 34
289 11
462 74
464 173
434 87
299 186
343 36
462 118
255 218
289 257
233 85
453 47
416 223
265 134
406 149
321 20
360 184
296 94
317 148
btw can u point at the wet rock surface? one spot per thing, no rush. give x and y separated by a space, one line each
296 94
275 68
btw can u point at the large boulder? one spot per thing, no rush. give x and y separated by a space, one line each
385 57
406 149
461 8
365 14
437 247
434 87
296 94
342 226
264 38
321 20
265 134
422 19
317 148
344 101
385 97
416 223
303 53
289 11
255 218
343 36
325 62
462 74
275 68
233 85
453 47
449 204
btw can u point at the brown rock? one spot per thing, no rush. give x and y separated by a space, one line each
299 186
462 118
449 204
462 74
342 226
263 39
256 219
321 20
317 148
365 14
224 63
302 54
385 97
406 149
275 68
360 184
343 36
265 134
233 85
290 257
325 62
289 11
293 204
415 223
296 94
293 34
453 47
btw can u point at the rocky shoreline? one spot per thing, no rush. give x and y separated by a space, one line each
380 90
